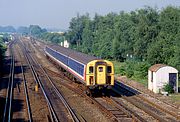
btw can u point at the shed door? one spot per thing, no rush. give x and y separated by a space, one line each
172 79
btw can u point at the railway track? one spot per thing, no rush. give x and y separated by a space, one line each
120 111
10 110
25 89
166 107
53 116
52 94
154 110
116 111
9 95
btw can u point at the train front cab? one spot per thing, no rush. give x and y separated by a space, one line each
99 73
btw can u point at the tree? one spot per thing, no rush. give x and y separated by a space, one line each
137 35
2 51
77 25
7 29
146 31
123 42
36 31
23 30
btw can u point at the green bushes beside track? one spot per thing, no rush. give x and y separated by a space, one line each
133 69
2 52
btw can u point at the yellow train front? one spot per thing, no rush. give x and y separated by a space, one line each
89 70
99 73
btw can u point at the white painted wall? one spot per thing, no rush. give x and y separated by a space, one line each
66 44
150 84
160 78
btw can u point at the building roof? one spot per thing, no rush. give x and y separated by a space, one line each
156 67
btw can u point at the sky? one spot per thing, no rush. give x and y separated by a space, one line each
58 13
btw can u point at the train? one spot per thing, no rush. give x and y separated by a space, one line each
93 72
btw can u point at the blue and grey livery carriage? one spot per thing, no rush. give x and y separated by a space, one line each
89 70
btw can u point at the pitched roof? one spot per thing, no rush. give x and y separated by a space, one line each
156 67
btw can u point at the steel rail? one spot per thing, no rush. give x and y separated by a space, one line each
36 78
73 115
153 104
9 95
152 113
127 110
26 93
71 112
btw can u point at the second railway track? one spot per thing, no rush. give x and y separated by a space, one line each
62 110
157 112
16 108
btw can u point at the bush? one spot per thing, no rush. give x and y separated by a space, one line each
141 69
129 68
122 70
129 73
168 88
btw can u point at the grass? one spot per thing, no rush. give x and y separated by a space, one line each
142 81
117 68
175 97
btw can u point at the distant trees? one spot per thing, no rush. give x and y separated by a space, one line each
38 32
23 30
2 51
142 35
7 29
52 37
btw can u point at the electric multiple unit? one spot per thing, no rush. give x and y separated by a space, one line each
89 70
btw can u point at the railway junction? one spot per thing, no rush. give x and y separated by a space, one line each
33 88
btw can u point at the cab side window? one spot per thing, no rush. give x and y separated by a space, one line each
91 69
109 70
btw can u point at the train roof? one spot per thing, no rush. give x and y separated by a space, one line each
81 57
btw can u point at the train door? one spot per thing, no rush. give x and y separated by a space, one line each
101 74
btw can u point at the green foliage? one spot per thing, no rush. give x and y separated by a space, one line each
134 69
147 36
168 88
2 50
52 37
23 30
7 29
175 97
141 70
119 67
36 31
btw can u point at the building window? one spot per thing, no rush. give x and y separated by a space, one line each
91 69
151 76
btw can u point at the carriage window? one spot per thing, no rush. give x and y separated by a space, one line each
100 69
109 70
90 69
